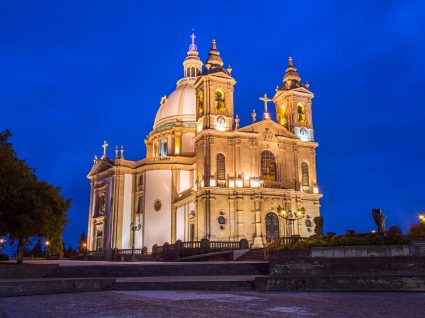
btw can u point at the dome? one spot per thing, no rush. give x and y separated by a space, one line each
180 105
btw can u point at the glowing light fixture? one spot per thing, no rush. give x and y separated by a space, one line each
231 183
316 190
239 183
255 182
421 217
213 182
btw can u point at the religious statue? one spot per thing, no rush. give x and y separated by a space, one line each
282 115
219 102
379 218
301 114
200 104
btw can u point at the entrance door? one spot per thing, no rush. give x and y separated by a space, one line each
272 227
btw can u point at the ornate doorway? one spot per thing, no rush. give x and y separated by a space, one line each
272 227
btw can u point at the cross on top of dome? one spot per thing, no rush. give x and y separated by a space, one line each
192 46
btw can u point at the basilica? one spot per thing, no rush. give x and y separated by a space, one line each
205 175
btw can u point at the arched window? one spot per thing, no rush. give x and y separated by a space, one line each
221 167
268 166
163 151
305 178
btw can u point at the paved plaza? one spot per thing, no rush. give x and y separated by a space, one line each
214 304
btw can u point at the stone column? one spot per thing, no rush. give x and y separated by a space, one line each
258 239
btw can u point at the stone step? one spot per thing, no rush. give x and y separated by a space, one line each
256 254
348 283
42 286
212 283
163 269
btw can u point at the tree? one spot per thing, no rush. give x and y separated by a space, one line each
28 207
82 245
417 229
37 250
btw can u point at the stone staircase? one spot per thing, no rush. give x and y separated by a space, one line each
254 254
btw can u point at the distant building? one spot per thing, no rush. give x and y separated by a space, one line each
206 177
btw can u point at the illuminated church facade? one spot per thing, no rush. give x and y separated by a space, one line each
205 176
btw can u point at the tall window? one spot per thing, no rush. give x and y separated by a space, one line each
268 166
221 167
305 178
163 151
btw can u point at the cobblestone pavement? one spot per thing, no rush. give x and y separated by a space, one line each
214 304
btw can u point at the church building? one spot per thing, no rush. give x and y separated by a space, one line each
205 176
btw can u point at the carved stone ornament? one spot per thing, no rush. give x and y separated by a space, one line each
157 205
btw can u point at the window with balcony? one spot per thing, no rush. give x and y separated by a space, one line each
268 166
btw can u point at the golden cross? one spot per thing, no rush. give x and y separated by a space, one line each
104 146
266 100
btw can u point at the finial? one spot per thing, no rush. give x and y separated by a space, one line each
192 46
116 152
307 85
229 69
237 121
104 146
213 45
95 159
266 100
122 152
290 61
254 116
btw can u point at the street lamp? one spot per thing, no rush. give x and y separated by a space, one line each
290 217
2 242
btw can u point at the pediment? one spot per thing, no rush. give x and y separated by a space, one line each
268 127
101 165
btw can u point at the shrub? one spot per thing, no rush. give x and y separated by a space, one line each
417 229
4 257
349 239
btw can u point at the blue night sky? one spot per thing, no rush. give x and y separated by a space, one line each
75 73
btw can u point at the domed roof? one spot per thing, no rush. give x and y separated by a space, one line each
180 105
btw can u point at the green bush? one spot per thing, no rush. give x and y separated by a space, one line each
349 239
4 257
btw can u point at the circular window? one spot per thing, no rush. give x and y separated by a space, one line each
157 205
308 223
221 220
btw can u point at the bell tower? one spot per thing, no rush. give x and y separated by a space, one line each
293 104
214 94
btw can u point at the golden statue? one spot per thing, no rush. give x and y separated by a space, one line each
282 115
200 104
219 102
302 119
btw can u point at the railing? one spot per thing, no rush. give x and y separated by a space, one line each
272 184
175 251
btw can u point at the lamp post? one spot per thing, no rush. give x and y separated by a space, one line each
47 247
2 243
290 217
134 228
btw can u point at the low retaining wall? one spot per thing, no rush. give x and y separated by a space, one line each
53 286
347 265
364 251
358 283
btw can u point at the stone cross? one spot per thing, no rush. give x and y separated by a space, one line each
266 100
192 47
104 146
